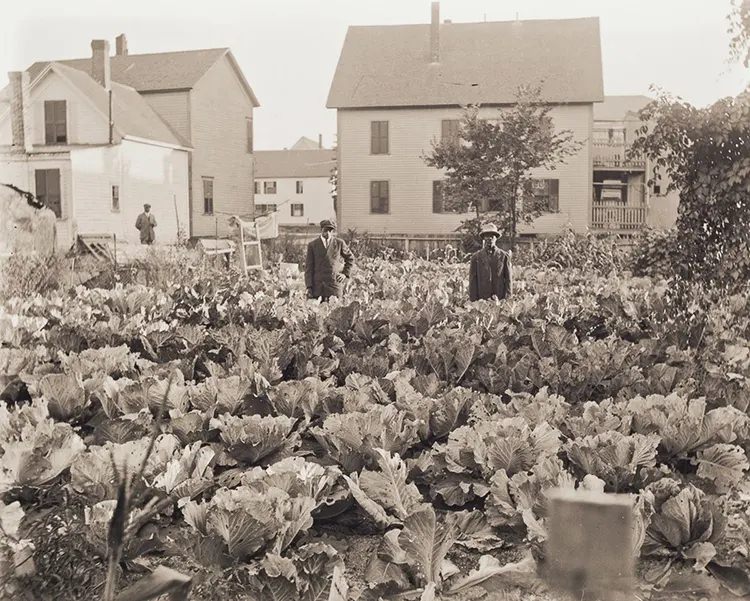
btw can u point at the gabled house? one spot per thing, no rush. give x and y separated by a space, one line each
93 150
399 87
623 200
205 99
295 184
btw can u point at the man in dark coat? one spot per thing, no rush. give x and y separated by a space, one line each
146 223
490 269
328 264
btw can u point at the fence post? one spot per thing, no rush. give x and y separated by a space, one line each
590 545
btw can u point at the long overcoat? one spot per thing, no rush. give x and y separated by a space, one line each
490 275
323 265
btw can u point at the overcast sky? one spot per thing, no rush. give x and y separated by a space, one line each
288 49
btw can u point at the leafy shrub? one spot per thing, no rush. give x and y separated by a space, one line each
570 250
34 449
28 275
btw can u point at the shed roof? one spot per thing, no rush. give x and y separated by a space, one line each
294 163
479 63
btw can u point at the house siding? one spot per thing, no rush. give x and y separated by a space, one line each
86 125
219 108
316 199
411 133
174 108
145 173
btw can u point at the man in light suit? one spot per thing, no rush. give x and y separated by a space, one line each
328 264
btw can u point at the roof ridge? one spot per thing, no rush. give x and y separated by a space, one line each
476 22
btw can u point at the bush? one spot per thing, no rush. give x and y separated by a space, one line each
655 253
28 275
570 250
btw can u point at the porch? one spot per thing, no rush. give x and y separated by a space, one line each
614 155
618 218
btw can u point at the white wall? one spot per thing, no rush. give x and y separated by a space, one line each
411 132
315 198
146 174
219 109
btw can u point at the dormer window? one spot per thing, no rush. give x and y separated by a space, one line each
55 122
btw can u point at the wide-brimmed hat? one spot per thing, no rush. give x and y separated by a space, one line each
489 229
328 224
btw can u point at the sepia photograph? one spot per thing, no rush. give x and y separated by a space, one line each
375 300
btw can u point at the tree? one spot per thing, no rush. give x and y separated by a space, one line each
488 164
706 154
739 28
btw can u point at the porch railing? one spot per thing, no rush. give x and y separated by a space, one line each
607 154
621 218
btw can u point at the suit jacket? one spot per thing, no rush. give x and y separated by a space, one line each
146 223
323 265
490 275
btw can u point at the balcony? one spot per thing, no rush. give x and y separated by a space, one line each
612 155
618 218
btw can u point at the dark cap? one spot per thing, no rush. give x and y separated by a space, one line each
147 206
328 224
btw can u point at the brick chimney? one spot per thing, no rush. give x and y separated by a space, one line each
435 33
20 111
121 45
100 63
320 140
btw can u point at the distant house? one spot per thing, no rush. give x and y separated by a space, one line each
397 88
305 143
204 98
94 150
295 184
623 200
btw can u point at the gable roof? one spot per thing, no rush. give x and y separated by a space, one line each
132 115
294 163
616 108
482 63
162 71
305 143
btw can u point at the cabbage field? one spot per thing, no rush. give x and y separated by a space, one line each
394 444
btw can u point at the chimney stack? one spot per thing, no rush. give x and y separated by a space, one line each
121 45
435 33
320 140
100 63
20 111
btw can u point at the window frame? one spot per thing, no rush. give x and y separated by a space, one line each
53 121
271 183
300 206
299 186
552 192
257 187
387 183
264 208
380 142
208 199
115 198
44 194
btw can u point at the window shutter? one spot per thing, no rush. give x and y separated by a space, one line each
437 197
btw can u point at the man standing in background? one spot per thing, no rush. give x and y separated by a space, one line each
145 224
490 269
328 264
